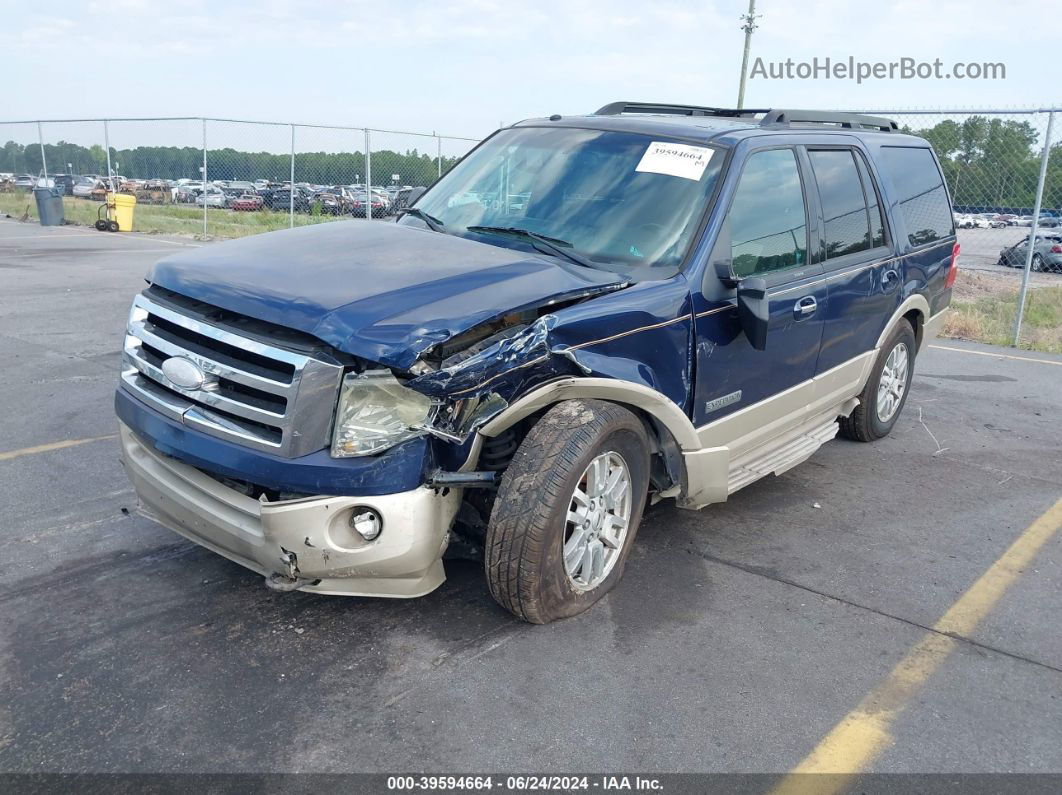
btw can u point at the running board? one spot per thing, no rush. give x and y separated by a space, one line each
786 451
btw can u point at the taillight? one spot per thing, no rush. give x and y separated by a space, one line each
953 268
1056 249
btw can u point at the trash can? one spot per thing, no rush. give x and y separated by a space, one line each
122 205
49 205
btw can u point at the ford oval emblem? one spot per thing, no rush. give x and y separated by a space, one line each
183 373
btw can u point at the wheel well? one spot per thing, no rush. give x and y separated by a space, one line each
916 319
666 464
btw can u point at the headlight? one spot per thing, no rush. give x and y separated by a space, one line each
376 412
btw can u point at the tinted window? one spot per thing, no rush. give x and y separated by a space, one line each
920 189
877 223
768 229
844 207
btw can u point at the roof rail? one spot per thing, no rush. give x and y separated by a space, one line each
770 116
667 109
846 120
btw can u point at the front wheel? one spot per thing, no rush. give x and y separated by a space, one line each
885 393
567 511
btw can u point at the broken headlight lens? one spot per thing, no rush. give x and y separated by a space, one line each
376 412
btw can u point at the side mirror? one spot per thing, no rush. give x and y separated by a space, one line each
754 311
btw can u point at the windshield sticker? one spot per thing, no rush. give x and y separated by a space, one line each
675 160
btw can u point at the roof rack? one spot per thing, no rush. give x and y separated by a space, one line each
663 108
776 116
849 121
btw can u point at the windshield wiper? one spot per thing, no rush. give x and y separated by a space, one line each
550 245
434 224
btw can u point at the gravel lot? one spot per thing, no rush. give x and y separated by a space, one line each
740 636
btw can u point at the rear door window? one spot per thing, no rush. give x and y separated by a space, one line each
923 199
844 205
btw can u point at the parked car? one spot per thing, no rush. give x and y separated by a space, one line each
247 201
281 200
66 182
1047 254
1024 220
186 194
25 181
336 200
86 186
379 205
213 196
333 405
1048 222
963 221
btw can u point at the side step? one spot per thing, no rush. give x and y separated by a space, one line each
782 453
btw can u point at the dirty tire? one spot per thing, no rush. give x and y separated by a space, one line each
863 424
525 537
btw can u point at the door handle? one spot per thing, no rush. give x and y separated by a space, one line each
805 307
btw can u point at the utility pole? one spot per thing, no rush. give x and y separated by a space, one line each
748 27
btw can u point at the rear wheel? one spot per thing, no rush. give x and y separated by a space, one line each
1037 262
567 511
885 393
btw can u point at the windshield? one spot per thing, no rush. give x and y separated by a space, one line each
626 202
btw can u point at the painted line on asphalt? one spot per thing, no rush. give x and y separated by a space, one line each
863 734
4 239
997 355
46 448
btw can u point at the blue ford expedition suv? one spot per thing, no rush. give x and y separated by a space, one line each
585 313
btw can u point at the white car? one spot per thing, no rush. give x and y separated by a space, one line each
85 185
212 197
963 221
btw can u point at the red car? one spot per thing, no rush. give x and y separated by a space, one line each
248 201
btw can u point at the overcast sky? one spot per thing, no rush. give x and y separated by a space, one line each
463 66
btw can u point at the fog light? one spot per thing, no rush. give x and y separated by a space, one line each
366 522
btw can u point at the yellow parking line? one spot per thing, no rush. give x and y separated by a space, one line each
997 355
44 448
861 736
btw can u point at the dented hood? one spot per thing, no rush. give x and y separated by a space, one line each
382 291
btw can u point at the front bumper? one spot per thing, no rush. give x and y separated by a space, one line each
309 539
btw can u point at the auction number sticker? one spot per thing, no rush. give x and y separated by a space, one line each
675 160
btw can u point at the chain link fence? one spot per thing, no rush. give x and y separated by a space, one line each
228 178
221 177
1004 171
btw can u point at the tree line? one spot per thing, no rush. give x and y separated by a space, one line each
994 163
172 162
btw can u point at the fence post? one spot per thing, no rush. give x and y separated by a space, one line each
44 161
291 193
438 154
107 146
368 178
1032 229
204 193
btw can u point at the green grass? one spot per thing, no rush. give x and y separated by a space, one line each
169 219
991 320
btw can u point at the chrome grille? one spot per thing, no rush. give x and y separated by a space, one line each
253 393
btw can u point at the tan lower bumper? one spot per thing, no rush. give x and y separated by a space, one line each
403 561
931 327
